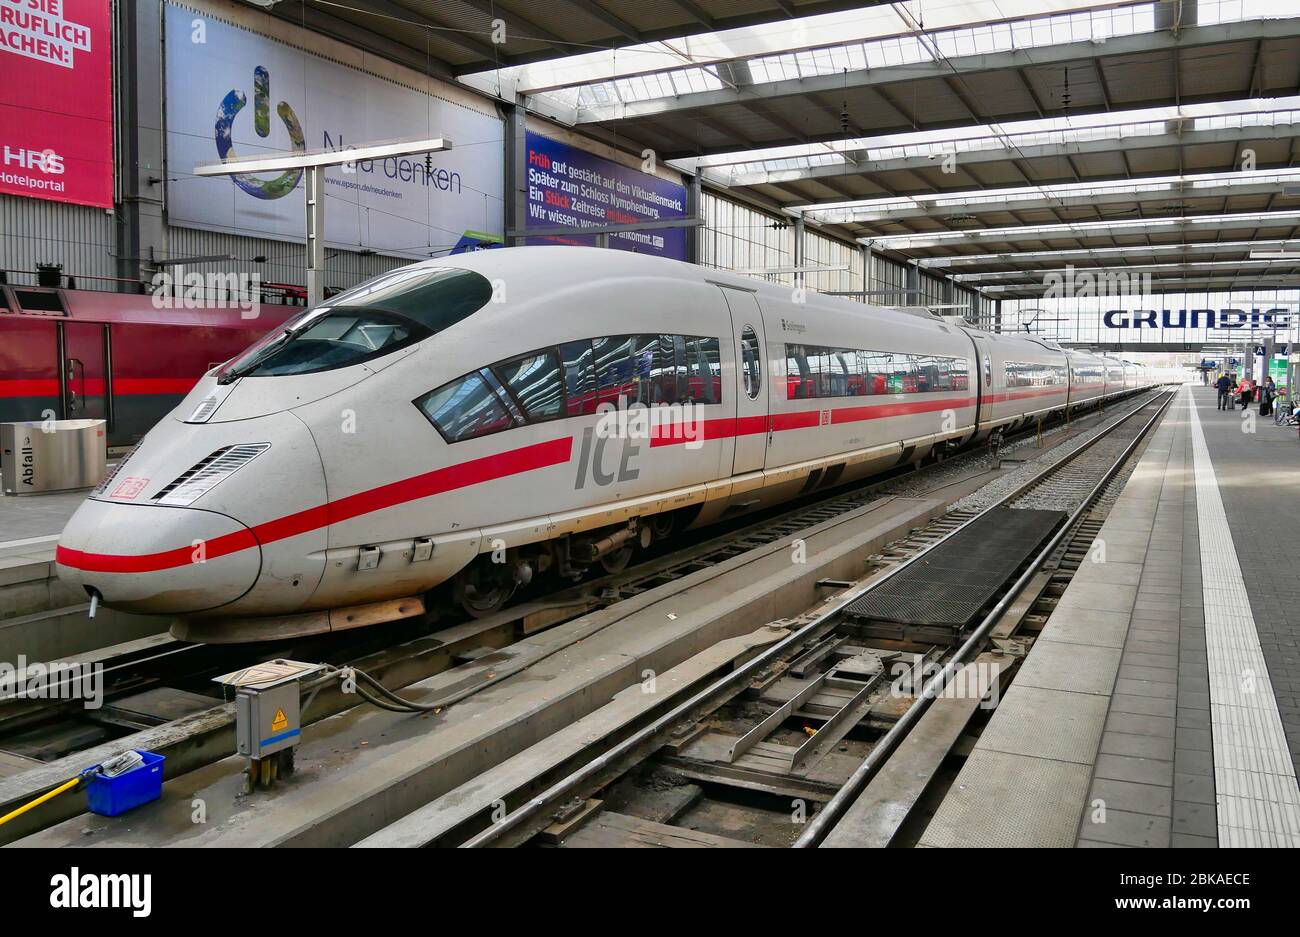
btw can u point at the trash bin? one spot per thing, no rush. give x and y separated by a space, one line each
52 455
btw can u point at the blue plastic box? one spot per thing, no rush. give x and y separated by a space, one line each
111 797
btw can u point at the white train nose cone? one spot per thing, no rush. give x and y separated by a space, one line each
158 560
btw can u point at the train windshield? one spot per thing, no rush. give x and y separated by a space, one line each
435 297
374 319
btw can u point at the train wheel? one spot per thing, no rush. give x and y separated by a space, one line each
617 561
481 592
662 524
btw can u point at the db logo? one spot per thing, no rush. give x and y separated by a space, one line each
46 161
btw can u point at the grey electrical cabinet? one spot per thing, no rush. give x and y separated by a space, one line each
267 719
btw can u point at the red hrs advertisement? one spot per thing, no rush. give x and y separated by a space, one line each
56 100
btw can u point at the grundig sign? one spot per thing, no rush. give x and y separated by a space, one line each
1255 319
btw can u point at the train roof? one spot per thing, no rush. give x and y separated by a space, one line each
561 264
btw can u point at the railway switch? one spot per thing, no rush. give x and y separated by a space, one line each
268 723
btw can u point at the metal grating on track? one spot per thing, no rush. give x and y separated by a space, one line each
951 584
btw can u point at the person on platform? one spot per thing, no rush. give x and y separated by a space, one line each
1247 392
1267 394
1224 386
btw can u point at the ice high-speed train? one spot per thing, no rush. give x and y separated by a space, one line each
489 417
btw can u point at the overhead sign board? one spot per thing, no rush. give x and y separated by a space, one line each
1234 319
232 92
56 100
569 186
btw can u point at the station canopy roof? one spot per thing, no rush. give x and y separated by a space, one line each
991 139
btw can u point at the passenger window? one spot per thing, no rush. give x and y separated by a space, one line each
960 374
645 368
923 366
899 370
841 373
799 379
875 372
614 374
670 381
857 382
751 362
579 378
465 408
534 381
703 370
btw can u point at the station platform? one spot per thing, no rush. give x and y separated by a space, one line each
1158 707
32 524
41 617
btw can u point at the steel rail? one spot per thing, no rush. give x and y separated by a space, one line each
530 808
150 665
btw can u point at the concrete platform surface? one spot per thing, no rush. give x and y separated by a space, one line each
33 522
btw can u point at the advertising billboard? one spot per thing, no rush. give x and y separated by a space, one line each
56 100
232 92
571 187
1169 318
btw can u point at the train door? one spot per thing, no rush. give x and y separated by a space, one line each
979 380
84 377
29 368
749 344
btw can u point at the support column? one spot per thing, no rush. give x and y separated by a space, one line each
798 250
694 209
516 168
1175 14
140 232
865 250
314 187
913 295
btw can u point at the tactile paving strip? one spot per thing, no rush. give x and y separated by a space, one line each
954 581
1259 801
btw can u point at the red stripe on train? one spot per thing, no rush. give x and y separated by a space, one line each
490 468
1024 394
675 433
438 481
31 387
122 386
881 411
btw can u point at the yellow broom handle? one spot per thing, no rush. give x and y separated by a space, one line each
40 800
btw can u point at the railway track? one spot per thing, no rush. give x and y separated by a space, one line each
152 683
161 701
743 758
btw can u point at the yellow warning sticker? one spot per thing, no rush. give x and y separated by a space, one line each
280 722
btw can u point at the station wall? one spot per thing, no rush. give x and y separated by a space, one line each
213 51
34 231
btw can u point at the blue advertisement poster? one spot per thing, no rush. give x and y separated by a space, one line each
568 186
